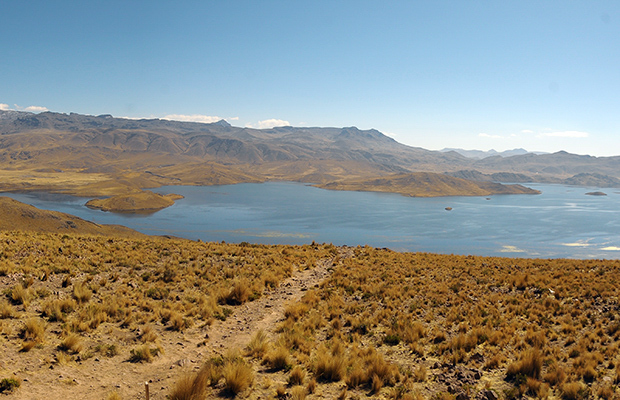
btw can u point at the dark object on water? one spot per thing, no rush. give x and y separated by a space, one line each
448 208
596 194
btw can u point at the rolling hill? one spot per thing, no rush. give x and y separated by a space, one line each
15 215
428 184
105 156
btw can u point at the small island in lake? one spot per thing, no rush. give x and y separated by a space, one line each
145 201
596 194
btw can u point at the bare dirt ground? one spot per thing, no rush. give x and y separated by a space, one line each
96 377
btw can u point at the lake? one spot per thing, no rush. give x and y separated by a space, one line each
560 222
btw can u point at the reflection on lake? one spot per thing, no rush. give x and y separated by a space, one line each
561 222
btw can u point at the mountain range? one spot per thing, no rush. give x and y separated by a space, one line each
104 156
480 154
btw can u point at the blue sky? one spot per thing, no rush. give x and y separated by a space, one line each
542 75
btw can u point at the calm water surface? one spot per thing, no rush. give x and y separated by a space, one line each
561 222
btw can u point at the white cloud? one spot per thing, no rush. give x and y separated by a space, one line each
567 134
269 123
193 118
527 131
35 109
486 135
611 248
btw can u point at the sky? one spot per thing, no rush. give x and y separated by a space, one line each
542 75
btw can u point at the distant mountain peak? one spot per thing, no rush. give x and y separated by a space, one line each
480 154
223 123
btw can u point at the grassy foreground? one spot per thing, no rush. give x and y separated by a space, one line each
96 317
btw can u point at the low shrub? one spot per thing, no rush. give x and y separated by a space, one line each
143 353
8 385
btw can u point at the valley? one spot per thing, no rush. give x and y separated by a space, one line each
103 156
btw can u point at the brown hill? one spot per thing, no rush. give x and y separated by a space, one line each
427 184
145 202
15 215
106 156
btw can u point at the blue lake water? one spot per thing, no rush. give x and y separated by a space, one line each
561 222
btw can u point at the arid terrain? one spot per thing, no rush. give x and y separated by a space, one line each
103 157
96 316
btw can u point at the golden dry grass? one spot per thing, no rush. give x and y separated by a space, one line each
388 324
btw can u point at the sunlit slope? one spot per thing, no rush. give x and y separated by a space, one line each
100 316
15 215
426 184
145 201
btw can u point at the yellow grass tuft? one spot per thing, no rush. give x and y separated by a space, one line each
71 344
238 376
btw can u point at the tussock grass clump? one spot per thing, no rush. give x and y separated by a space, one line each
71 344
297 376
81 293
239 293
7 310
574 391
143 353
238 375
191 387
148 334
33 331
107 350
329 367
258 346
278 359
21 295
298 393
114 396
529 365
57 310
179 323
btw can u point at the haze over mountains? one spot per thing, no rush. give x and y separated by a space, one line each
480 154
103 155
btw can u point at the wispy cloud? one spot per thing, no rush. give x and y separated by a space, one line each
207 119
566 134
486 135
34 109
527 131
269 123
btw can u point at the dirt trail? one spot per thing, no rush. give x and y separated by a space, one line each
265 312
96 377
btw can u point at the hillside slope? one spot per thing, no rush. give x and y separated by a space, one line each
15 215
426 184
